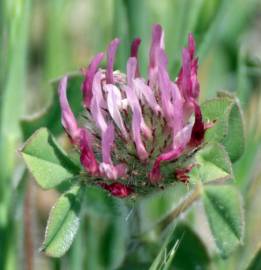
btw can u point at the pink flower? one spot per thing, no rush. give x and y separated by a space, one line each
68 120
137 124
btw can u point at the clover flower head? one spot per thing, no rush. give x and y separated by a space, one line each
135 125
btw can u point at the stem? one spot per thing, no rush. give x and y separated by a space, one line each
184 205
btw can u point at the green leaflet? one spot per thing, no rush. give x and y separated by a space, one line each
50 117
228 126
224 210
212 164
62 224
47 162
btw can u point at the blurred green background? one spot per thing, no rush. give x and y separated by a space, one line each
43 39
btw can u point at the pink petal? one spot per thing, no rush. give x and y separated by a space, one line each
179 144
154 174
182 137
194 79
87 84
134 53
111 52
107 142
98 103
107 168
121 170
68 120
112 172
181 174
165 86
165 93
135 105
131 70
191 45
162 59
157 43
97 89
187 79
135 47
186 84
97 115
136 132
178 103
136 122
141 87
194 66
186 74
87 158
198 130
118 189
114 102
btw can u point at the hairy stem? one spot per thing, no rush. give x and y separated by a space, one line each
183 206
